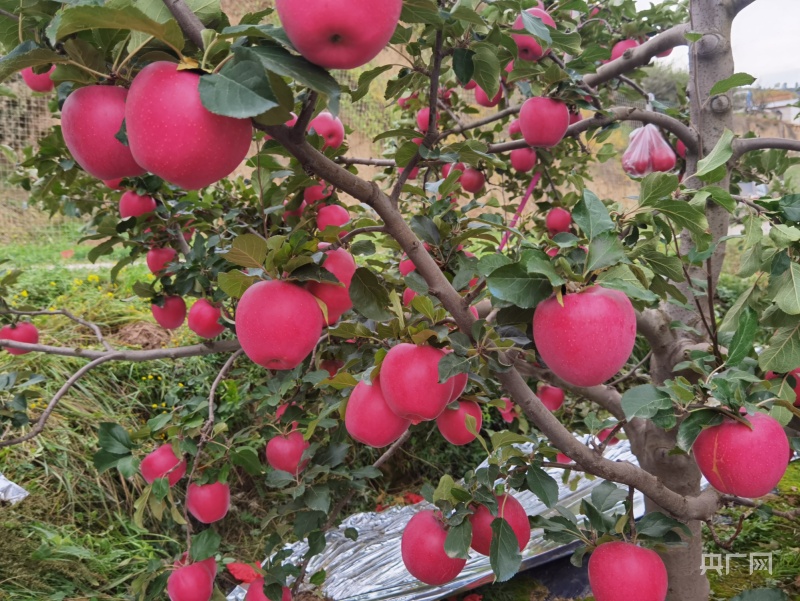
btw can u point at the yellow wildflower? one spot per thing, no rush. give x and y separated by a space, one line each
24 294
92 278
149 376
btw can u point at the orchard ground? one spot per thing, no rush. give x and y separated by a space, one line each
76 535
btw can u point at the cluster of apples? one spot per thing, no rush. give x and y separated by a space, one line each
647 152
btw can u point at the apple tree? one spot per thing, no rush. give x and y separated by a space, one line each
376 305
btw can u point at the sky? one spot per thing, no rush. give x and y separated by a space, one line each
765 42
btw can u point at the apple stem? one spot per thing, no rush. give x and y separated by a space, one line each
534 180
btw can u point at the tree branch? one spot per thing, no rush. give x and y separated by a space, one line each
734 500
738 6
513 110
360 161
189 23
9 15
300 127
745 145
180 352
92 326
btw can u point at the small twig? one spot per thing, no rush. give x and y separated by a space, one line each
300 127
632 84
92 326
9 15
360 230
448 110
610 436
749 203
189 22
473 294
632 371
631 516
727 545
734 500
368 161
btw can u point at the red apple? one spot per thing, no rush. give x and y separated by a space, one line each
543 121
557 221
513 512
406 266
38 82
332 215
472 180
135 205
255 592
448 166
460 381
90 120
338 37
551 397
114 184
156 465
770 375
552 251
680 147
23 331
204 319
405 100
190 583
172 314
738 460
285 452
621 47
575 117
340 263
173 135
453 426
508 412
159 258
210 564
369 419
620 570
208 503
562 458
514 129
523 159
278 324
332 366
318 192
296 212
589 338
329 128
408 296
410 382
482 98
471 85
662 157
528 49
423 119
422 550
412 174
603 437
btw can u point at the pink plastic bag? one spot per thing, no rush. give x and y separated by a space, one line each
647 152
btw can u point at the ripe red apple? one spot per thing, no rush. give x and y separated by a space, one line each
471 85
173 135
190 583
369 419
405 100
159 258
602 437
172 314
482 98
90 120
23 331
255 592
621 47
771 375
620 570
662 157
460 381
448 166
204 319
156 465
543 121
329 128
410 382
528 49
412 174
453 426
551 397
740 461
278 324
514 129
406 266
208 503
340 263
513 512
285 452
114 184
557 221
589 338
423 119
422 550
575 117
562 458
523 159
318 192
38 82
210 564
680 147
332 215
337 37
135 205
296 212
408 296
472 180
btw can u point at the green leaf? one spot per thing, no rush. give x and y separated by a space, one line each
235 283
691 427
82 18
761 594
656 525
247 250
684 215
787 296
240 90
734 81
731 319
721 154
669 267
458 540
542 485
451 365
205 545
487 69
463 65
536 27
512 283
104 461
466 15
790 207
27 54
591 215
506 438
604 251
743 339
783 353
644 401
536 262
657 186
504 555
420 11
247 458
364 81
368 295
607 495
279 60
114 439
442 492
318 498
